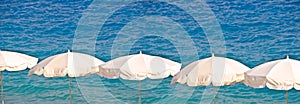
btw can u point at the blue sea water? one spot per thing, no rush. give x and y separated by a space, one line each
254 32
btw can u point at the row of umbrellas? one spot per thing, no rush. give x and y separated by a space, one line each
218 71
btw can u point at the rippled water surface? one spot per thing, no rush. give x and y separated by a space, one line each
254 32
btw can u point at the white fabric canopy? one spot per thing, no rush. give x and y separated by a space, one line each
71 63
13 61
281 74
139 67
216 70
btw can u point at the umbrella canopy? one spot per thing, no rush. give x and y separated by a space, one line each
139 67
281 74
216 70
13 61
72 63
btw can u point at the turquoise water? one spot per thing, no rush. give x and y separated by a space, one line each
254 32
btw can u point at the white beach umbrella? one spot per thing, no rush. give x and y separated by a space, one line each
283 74
13 61
72 64
139 67
218 71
